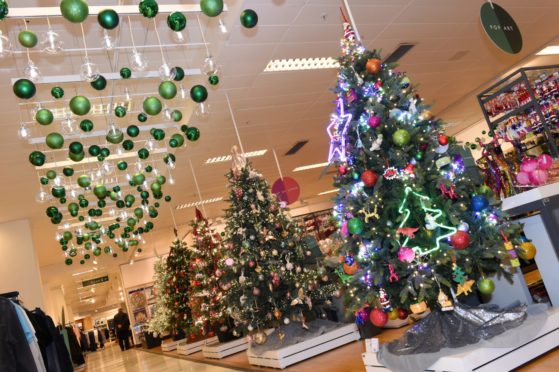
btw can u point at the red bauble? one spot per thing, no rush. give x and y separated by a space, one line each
460 240
351 269
378 317
443 140
342 169
369 178
378 83
373 66
402 313
423 146
409 168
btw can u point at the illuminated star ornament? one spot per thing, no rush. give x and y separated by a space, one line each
337 138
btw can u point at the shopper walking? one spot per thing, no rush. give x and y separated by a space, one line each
122 329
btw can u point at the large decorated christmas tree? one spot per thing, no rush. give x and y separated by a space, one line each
262 272
205 293
416 228
160 320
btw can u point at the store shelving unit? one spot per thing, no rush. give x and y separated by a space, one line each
525 101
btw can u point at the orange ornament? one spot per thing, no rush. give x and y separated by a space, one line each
351 269
373 66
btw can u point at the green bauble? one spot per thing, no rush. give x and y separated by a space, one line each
76 157
73 208
133 131
100 83
113 195
101 204
158 134
152 106
105 152
100 191
37 158
198 93
57 92
84 203
86 125
148 8
44 116
24 89
142 118
138 178
178 138
97 252
120 111
67 235
80 105
129 200
122 165
249 18
51 174
173 143
213 79
144 194
149 169
176 115
4 9
131 222
128 145
120 204
169 158
54 141
68 172
176 21
108 19
401 137
211 8
168 198
84 181
193 134
76 147
161 179
178 73
44 181
100 157
139 212
115 136
75 11
58 191
94 150
27 39
485 286
68 261
143 153
184 128
155 187
355 226
167 90
125 73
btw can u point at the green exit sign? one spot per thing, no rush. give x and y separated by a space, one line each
94 281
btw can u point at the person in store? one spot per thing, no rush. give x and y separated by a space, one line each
122 327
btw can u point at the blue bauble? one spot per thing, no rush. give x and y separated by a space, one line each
479 203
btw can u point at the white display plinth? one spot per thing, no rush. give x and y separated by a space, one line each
171 345
530 196
184 348
221 350
289 355
490 359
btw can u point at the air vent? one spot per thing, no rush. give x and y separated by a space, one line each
458 55
296 147
399 52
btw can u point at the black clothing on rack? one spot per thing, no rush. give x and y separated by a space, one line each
92 342
75 350
15 354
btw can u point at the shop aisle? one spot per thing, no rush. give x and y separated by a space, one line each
113 360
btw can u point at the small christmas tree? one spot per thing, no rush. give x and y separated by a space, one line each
205 293
417 229
160 320
263 270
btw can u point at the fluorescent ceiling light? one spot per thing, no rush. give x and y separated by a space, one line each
224 158
312 166
299 64
200 202
549 50
83 272
328 192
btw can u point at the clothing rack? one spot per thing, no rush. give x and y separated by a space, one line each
10 295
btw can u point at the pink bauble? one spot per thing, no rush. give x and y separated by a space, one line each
343 230
545 161
406 254
523 178
539 177
229 262
528 165
374 121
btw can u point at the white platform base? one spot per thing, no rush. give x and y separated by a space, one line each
184 348
490 359
289 355
171 345
221 350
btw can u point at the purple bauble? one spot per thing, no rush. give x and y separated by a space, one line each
374 121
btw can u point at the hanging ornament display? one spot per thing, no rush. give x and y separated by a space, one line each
211 8
27 39
249 18
108 19
148 8
75 11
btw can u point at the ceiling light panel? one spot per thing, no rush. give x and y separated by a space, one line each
549 50
225 158
300 64
198 203
311 166
328 192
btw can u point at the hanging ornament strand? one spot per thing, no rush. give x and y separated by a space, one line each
159 42
203 36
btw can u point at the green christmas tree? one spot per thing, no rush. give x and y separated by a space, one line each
411 217
205 293
263 274
160 319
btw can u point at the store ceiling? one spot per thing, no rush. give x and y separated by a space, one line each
452 59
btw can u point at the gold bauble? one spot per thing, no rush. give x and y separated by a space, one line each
527 251
426 115
277 314
260 338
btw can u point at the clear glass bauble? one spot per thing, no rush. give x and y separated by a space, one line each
32 72
166 72
89 71
202 110
138 62
5 46
51 42
210 66
108 42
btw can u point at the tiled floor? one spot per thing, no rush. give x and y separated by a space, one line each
113 360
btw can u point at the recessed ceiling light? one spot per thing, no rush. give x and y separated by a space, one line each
328 192
200 202
224 158
312 166
298 64
549 50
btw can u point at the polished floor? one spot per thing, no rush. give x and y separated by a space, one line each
111 359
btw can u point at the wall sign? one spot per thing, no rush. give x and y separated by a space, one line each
501 28
94 281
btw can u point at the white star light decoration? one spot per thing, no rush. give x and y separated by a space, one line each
337 139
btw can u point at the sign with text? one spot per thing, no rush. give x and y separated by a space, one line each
501 28
94 281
